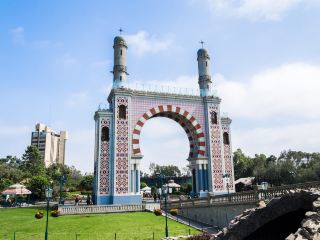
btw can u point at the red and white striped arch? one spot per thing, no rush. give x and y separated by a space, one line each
188 122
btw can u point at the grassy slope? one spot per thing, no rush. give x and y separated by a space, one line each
138 225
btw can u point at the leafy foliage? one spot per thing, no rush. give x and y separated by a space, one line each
290 167
37 186
169 170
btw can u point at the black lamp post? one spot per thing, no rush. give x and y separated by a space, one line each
62 181
166 191
48 196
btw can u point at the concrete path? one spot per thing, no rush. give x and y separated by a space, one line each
150 206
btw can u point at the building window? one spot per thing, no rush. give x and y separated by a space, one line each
226 138
214 118
206 64
121 52
122 112
105 134
120 77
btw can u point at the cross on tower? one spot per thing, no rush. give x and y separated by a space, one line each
202 42
120 30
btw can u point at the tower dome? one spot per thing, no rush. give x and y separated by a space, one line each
119 40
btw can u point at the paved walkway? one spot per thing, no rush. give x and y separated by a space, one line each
150 206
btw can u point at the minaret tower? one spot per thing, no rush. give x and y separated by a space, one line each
119 68
204 71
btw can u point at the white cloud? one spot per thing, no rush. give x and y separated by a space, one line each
77 99
269 10
18 35
291 90
272 140
142 43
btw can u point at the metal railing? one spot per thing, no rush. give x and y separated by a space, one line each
166 89
241 197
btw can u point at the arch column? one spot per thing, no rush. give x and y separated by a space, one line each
199 169
135 174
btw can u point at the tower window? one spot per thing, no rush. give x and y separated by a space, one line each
121 52
120 77
206 64
122 112
214 118
105 134
226 138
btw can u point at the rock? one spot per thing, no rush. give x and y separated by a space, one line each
299 237
303 232
316 205
312 215
291 237
311 226
316 236
262 204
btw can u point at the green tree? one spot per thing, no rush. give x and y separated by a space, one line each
168 170
4 183
243 165
32 164
143 185
37 186
86 183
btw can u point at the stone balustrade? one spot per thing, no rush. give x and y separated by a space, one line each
70 210
241 197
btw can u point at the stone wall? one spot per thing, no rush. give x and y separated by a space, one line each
217 216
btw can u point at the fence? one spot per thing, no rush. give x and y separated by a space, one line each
152 235
241 197
68 210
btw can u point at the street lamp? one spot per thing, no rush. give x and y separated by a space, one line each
264 186
166 190
227 177
48 196
62 181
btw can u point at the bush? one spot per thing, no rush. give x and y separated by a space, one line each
38 215
55 213
174 211
157 212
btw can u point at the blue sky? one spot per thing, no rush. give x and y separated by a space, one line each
56 57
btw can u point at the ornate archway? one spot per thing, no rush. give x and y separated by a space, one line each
117 156
188 122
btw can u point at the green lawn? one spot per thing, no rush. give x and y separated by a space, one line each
139 225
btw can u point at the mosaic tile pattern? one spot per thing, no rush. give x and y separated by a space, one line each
228 157
121 148
104 160
215 145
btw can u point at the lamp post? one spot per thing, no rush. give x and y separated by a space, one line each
62 180
227 177
264 186
48 196
166 190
